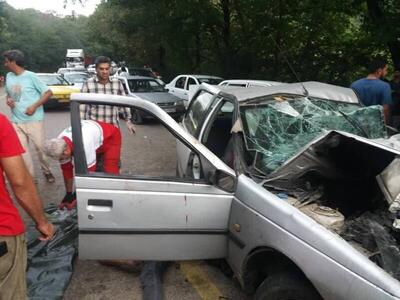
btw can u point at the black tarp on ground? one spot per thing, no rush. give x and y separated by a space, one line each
50 264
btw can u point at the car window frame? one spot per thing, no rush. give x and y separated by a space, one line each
205 130
206 112
187 82
184 82
80 163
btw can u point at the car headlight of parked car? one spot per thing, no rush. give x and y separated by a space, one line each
179 103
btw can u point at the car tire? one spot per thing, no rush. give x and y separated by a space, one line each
286 286
136 117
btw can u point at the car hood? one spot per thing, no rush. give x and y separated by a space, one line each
60 89
157 97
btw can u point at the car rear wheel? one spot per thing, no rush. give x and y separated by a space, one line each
286 286
136 117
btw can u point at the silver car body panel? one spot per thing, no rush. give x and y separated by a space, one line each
248 82
311 89
335 268
305 160
185 220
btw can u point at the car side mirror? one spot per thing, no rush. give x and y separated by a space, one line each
223 180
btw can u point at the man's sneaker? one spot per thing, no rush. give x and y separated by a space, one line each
49 177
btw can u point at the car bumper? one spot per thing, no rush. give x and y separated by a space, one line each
57 102
173 111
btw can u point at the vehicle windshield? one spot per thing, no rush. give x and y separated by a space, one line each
145 86
276 129
212 81
74 59
53 80
76 78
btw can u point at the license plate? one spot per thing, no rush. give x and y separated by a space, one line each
169 110
63 100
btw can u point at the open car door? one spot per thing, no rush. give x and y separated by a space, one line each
150 217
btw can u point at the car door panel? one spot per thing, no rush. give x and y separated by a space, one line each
187 220
142 217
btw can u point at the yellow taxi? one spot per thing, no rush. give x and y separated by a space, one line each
60 87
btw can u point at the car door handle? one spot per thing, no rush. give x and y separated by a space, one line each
99 205
100 202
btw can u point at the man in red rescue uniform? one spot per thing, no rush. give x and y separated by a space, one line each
98 138
13 251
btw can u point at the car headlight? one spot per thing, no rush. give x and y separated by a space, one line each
179 103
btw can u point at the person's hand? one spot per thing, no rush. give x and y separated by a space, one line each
47 231
130 126
30 110
10 102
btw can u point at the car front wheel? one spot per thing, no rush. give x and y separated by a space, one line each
286 286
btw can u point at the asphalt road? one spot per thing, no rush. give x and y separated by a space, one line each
150 151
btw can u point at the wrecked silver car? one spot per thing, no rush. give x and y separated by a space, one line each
323 220
296 186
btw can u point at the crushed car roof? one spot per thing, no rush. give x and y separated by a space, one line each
311 88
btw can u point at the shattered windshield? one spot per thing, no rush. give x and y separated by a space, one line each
276 129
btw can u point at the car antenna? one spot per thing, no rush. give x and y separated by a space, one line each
290 67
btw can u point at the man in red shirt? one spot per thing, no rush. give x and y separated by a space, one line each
98 138
12 239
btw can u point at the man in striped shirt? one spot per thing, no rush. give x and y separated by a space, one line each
103 84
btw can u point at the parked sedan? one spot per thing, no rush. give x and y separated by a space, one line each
76 78
279 181
60 87
149 89
179 86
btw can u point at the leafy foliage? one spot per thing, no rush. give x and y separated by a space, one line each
283 40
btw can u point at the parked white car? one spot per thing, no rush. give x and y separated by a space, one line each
179 86
248 83
76 78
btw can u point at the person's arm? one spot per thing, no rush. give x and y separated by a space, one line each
45 97
25 191
386 103
10 101
387 114
126 111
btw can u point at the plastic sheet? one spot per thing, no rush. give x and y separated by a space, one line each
372 231
277 130
151 280
50 263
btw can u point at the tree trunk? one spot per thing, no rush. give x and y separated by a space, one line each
377 16
394 47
